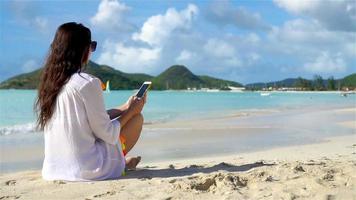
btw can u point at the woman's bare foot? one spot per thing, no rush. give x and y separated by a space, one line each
132 162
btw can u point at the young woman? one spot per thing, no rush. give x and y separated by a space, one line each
83 141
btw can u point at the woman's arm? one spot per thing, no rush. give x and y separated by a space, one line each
118 111
125 112
104 128
134 107
99 121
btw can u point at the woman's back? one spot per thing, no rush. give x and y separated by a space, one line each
80 140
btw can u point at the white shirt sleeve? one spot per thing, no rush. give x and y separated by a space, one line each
99 121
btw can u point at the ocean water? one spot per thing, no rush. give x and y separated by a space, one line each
17 115
17 120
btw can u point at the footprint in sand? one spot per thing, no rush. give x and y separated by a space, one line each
203 186
10 182
10 197
108 193
311 163
271 179
236 181
330 197
192 177
329 176
261 174
172 181
299 168
59 182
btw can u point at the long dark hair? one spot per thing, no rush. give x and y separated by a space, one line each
68 51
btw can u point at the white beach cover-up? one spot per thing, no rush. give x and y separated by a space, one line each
81 142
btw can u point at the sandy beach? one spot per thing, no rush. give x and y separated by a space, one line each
317 171
324 169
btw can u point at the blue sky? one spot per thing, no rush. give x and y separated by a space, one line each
244 41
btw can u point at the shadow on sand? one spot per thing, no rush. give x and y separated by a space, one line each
148 173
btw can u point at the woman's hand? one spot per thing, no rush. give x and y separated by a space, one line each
128 102
144 98
136 105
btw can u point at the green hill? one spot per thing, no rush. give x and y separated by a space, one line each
211 82
179 77
175 77
349 81
289 82
118 79
23 81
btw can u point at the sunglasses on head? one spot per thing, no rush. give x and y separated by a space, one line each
93 45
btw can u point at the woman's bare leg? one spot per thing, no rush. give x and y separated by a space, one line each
131 132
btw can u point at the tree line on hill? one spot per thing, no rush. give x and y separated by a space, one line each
176 77
318 83
179 77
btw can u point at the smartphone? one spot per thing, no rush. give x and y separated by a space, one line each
143 89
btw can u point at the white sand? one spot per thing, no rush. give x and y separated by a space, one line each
318 171
324 170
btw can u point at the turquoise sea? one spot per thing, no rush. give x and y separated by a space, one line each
17 116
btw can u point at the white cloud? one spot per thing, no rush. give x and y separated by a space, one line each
233 62
350 48
299 31
159 27
337 15
169 37
184 56
156 33
222 52
296 46
219 48
297 6
222 12
30 65
110 15
27 13
303 37
326 63
252 38
252 58
129 58
41 23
